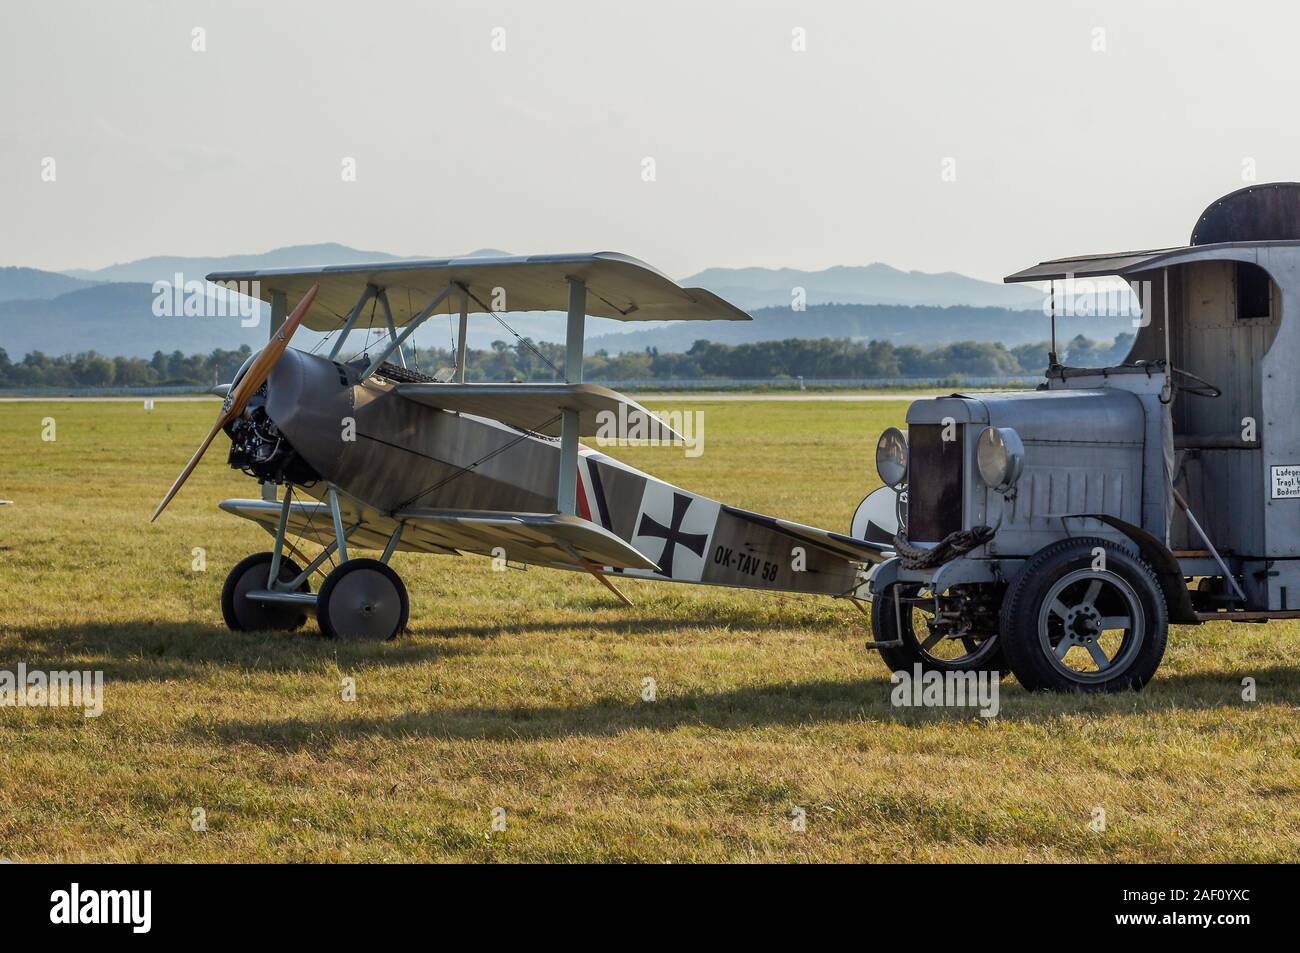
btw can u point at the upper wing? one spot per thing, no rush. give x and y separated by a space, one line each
618 286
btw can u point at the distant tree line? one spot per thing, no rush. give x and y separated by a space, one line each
89 369
528 361
822 358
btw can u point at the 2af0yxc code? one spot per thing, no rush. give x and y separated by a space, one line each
1197 896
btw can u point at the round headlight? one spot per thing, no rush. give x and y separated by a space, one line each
1001 457
891 456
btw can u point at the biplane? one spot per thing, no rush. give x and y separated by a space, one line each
363 453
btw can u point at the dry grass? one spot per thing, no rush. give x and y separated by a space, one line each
523 691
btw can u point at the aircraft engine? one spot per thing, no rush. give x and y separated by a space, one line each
258 448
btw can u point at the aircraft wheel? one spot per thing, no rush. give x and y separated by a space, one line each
363 600
1084 615
933 652
243 614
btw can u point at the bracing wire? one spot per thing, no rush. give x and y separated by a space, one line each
519 337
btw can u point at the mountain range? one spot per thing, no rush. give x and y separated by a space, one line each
163 267
109 310
32 284
877 283
925 326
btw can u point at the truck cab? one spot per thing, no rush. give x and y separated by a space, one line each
1056 533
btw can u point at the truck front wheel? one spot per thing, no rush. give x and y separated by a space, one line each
904 629
1084 615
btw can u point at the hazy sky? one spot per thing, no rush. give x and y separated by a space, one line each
763 155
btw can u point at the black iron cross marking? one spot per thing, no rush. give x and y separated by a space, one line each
672 535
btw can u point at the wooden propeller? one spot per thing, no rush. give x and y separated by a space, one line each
248 385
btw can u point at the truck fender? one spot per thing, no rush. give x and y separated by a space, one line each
962 571
1168 572
884 575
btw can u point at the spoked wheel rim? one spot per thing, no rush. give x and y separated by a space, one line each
936 647
1091 625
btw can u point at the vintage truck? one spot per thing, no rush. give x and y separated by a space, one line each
1058 532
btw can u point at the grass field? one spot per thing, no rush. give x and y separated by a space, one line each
522 691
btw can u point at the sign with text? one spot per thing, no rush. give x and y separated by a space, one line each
1286 482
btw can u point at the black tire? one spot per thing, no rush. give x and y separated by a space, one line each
982 656
244 615
362 600
1054 622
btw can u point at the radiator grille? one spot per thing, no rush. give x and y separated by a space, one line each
934 482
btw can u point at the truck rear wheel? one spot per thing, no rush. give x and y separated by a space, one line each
1084 615
897 616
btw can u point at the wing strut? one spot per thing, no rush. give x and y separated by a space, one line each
414 323
566 497
463 340
351 322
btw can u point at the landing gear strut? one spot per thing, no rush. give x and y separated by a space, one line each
361 599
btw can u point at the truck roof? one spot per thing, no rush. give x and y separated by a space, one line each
1256 216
